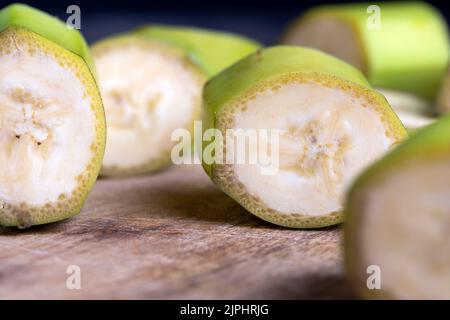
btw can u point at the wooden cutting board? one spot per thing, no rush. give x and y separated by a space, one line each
170 235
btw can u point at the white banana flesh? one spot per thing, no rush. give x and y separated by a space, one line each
329 35
413 111
410 240
148 93
327 138
47 128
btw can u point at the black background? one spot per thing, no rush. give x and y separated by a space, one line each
262 20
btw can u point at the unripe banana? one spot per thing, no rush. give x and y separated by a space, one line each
413 111
398 219
332 125
52 124
151 82
401 45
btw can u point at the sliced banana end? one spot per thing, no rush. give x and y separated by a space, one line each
149 90
414 112
330 131
331 35
401 225
52 130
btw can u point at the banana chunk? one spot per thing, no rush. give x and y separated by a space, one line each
331 125
398 220
151 81
398 45
52 125
323 145
413 111
149 90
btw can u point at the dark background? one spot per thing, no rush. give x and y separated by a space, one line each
262 20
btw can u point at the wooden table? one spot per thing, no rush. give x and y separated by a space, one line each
171 235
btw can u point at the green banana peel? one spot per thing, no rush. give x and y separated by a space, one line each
24 16
213 51
408 50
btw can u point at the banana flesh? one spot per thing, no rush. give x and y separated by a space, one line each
327 138
404 230
47 127
148 92
413 111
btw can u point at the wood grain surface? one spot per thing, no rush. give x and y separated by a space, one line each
172 235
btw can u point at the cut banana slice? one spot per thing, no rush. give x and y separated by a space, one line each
152 87
401 45
413 111
149 90
52 125
331 126
398 221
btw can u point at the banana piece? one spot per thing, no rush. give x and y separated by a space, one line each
413 111
151 82
398 220
331 124
52 124
398 45
149 89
